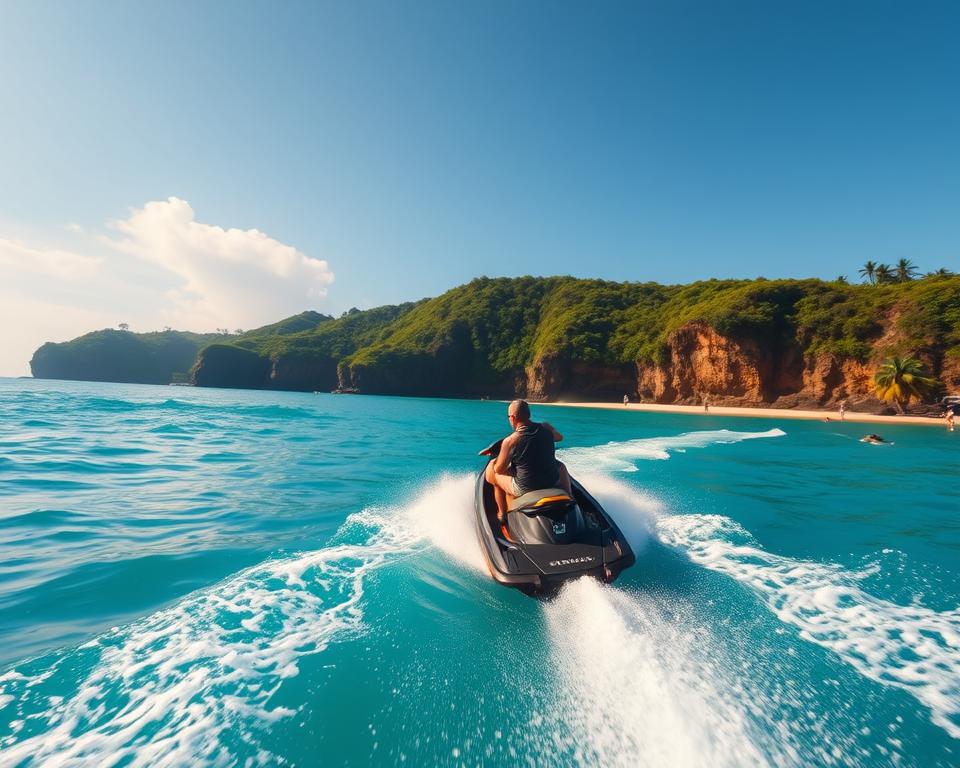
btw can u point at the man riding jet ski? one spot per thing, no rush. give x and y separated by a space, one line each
526 461
537 526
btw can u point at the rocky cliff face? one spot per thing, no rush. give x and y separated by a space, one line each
732 371
828 380
443 373
698 362
225 365
950 374
453 371
303 373
782 343
424 375
742 372
558 377
228 366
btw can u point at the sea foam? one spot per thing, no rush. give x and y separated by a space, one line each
175 687
636 687
622 456
906 646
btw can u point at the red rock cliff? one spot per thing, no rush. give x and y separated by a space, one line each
741 371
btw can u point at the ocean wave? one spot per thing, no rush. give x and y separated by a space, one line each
176 686
95 404
909 647
652 682
623 456
168 689
46 518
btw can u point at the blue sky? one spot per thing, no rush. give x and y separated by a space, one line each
413 146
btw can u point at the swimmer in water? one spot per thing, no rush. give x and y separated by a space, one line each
875 440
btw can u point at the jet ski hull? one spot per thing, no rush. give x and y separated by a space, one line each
594 546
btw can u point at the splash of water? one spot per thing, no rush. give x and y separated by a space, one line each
445 517
637 687
172 688
623 456
906 646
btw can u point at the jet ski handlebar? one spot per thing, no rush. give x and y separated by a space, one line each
493 449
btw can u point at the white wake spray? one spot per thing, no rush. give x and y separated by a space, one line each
909 647
906 646
166 690
636 680
624 455
636 685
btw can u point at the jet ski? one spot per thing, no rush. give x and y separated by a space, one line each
548 537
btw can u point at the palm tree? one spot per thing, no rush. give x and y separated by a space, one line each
940 273
900 379
883 274
869 271
905 271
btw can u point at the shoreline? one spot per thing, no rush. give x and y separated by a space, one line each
760 413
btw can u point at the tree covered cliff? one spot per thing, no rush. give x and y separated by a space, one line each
786 342
144 358
109 355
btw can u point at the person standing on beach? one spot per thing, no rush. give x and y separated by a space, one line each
626 399
706 404
843 408
950 417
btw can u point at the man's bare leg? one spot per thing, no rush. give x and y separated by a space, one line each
501 495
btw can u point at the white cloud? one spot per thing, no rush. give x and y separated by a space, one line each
183 273
228 277
52 262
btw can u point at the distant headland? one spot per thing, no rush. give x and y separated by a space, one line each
774 343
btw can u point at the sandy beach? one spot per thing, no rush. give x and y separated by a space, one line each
762 413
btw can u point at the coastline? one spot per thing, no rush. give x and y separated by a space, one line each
760 413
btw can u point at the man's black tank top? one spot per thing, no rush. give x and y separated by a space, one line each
534 459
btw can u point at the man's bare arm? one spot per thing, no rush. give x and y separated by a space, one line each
503 458
557 437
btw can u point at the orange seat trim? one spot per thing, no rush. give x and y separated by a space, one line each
549 499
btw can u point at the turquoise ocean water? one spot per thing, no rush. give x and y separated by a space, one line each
257 578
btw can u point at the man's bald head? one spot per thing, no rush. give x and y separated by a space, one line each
520 410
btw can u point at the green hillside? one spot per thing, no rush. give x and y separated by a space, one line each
146 358
560 335
300 360
511 322
109 355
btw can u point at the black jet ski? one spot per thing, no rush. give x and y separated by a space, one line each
548 537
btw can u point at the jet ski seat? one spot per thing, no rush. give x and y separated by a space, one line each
539 498
545 516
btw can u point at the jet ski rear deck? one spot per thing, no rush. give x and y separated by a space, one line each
548 542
